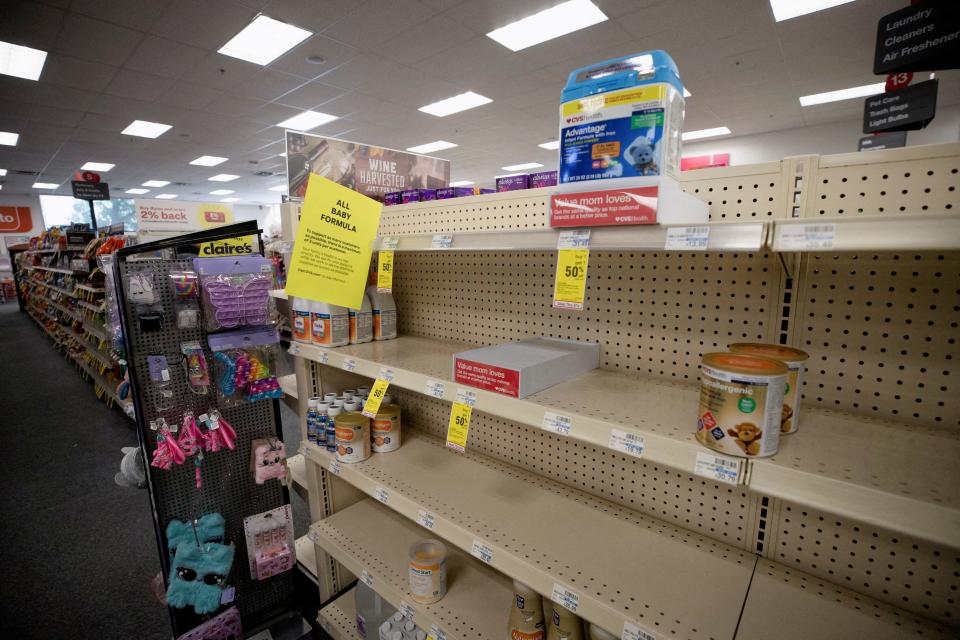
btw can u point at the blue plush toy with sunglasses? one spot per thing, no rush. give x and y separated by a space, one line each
198 575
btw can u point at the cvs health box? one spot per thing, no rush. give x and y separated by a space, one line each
519 369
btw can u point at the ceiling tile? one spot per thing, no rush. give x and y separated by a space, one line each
208 24
164 57
310 95
54 116
272 113
313 15
189 96
221 72
137 15
81 74
138 85
424 40
333 53
233 106
267 85
96 40
483 16
18 89
376 22
31 24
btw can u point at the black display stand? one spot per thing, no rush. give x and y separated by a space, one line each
228 484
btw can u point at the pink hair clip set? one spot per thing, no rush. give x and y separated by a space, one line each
191 441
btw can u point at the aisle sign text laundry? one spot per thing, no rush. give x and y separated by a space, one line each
922 37
331 257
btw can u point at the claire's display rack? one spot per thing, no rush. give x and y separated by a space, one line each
851 529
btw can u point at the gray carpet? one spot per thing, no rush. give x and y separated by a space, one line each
79 551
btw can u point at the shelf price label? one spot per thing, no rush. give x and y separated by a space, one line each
385 272
806 237
633 632
436 632
426 519
366 578
441 241
294 349
406 610
565 597
557 423
629 443
389 243
481 550
459 426
324 357
334 467
372 405
570 283
435 389
349 364
687 239
718 467
381 494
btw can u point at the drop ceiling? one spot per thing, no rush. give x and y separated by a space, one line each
113 61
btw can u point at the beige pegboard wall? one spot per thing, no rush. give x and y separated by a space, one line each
881 330
654 313
717 511
895 182
738 194
912 574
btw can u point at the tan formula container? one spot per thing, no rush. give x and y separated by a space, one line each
562 624
741 401
526 614
796 362
428 571
353 437
385 429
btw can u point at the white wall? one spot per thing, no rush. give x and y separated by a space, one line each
836 137
37 216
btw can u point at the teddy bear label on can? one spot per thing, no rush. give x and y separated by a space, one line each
740 414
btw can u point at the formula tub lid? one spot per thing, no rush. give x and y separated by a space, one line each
747 364
776 351
626 71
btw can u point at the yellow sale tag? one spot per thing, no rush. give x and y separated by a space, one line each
372 405
385 272
459 426
570 286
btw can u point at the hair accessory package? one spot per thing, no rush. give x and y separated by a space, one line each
268 459
270 546
235 292
185 288
224 626
246 363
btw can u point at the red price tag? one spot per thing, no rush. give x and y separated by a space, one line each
898 80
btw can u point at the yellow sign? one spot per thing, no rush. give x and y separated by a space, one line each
372 405
459 426
331 256
241 246
570 286
385 272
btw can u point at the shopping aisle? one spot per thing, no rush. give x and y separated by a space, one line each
80 551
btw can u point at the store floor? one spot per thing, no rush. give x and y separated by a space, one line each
79 551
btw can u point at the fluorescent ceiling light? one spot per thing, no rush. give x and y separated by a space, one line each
9 139
223 177
221 192
283 155
166 196
455 104
45 185
230 200
264 40
279 187
705 133
548 24
786 9
3 172
522 166
137 192
97 166
553 145
307 120
461 183
843 94
430 147
156 183
686 94
21 62
208 161
144 129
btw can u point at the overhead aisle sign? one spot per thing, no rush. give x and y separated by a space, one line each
922 37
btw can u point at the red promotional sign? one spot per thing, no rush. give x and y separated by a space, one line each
637 205
15 219
216 217
705 162
898 80
488 376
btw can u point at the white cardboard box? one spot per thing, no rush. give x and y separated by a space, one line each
519 369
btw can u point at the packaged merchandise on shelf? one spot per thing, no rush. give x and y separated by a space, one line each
361 322
195 366
796 360
392 198
428 571
385 428
186 294
270 542
513 183
372 611
247 361
333 414
329 324
741 404
352 431
268 460
198 575
417 195
300 323
562 624
526 614
384 314
223 626
543 179
313 418
234 291
622 118
519 369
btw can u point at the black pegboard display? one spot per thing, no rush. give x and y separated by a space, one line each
228 485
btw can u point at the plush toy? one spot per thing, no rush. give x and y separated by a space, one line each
268 459
198 575
131 472
209 528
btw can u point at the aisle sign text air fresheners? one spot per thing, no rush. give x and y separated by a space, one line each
385 272
331 256
459 425
570 284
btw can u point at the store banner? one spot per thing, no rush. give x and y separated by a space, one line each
15 219
370 171
637 205
688 163
181 217
331 255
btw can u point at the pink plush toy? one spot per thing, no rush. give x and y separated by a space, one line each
268 460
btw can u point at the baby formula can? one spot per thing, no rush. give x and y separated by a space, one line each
353 437
796 361
741 401
428 571
385 429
